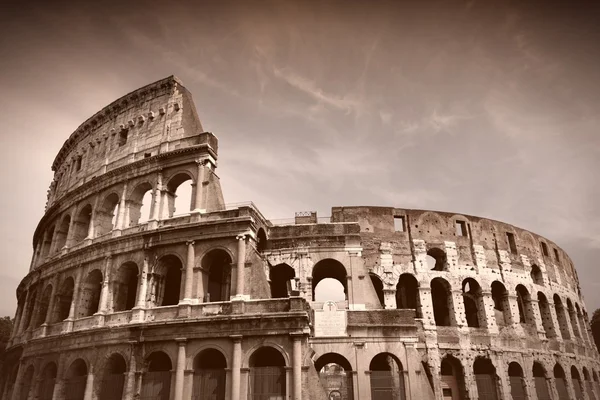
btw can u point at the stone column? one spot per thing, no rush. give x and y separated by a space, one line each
537 318
51 303
16 393
89 385
90 233
138 311
129 389
236 367
426 305
389 298
241 265
199 183
297 366
120 222
69 234
24 314
490 315
18 316
180 369
156 203
189 272
72 309
457 311
103 309
53 248
555 324
36 253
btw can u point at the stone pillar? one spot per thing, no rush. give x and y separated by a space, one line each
180 369
156 203
74 301
426 305
69 234
51 304
18 316
490 315
36 253
189 272
103 309
297 366
514 312
53 248
89 385
236 366
362 390
24 314
457 311
555 323
90 233
389 298
120 222
537 318
16 393
241 265
138 310
199 187
129 388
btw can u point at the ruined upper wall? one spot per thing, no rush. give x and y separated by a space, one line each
154 119
401 227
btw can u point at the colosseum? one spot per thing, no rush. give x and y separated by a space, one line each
130 297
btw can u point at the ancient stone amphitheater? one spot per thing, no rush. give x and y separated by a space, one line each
132 296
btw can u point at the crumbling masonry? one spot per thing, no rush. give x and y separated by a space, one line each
128 297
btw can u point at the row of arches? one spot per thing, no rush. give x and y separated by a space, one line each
58 301
118 211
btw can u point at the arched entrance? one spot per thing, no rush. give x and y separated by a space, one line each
441 297
387 378
209 376
218 264
267 375
473 302
407 293
576 380
540 381
156 382
335 373
517 384
501 305
282 281
26 383
453 384
324 272
166 283
485 378
113 378
64 299
47 382
90 294
74 388
559 380
125 287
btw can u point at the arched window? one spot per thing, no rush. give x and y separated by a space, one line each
441 296
335 374
64 300
501 304
559 380
407 294
436 259
541 384
47 382
452 379
596 383
573 318
536 275
261 240
139 204
40 318
125 287
30 306
517 383
47 243
156 381
26 383
218 285
90 294
81 225
179 195
524 302
74 386
582 322
267 374
282 280
387 379
113 378
562 317
473 302
576 380
546 315
209 375
485 378
166 281
323 274
12 378
106 215
589 388
60 237
378 286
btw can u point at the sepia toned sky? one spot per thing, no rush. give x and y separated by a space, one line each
478 107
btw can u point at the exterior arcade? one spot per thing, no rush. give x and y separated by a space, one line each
130 297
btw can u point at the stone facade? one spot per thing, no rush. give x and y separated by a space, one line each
219 303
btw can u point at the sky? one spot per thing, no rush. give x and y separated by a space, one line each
476 107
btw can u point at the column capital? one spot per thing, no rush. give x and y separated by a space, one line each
190 242
201 161
181 341
236 338
241 236
297 335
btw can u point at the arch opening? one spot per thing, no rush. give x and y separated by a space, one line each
262 243
113 378
573 319
485 378
540 382
546 315
125 287
452 379
329 269
576 381
559 381
90 294
437 259
282 280
562 318
165 282
267 374
209 375
473 303
74 387
335 374
106 215
44 304
524 304
517 382
387 379
156 381
536 275
64 300
179 194
407 294
26 383
47 382
378 286
441 296
218 285
139 205
81 225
